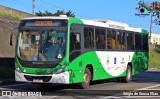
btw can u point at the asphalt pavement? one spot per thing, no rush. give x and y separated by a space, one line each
5 81
147 83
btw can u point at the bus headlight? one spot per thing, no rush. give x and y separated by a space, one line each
61 69
17 68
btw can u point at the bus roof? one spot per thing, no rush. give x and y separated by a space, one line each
96 22
46 17
112 24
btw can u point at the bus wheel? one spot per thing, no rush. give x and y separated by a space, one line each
87 78
128 76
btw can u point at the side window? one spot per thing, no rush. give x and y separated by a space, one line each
119 44
120 40
145 42
100 38
138 41
111 39
123 41
75 41
116 40
103 39
133 41
75 37
88 37
130 41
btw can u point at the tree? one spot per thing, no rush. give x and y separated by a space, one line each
153 8
59 12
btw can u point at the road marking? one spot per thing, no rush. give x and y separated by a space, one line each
149 87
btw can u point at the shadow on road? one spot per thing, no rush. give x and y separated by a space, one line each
146 77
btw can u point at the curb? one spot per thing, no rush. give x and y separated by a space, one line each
154 69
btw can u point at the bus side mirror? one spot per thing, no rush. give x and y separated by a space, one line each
11 39
11 36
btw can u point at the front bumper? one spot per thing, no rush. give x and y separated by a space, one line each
62 78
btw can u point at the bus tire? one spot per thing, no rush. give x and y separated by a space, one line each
87 77
128 76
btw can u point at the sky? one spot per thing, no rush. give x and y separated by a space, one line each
117 10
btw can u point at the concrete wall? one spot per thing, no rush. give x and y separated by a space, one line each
14 11
7 23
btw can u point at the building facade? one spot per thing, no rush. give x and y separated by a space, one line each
155 38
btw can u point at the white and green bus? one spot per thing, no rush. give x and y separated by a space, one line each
75 51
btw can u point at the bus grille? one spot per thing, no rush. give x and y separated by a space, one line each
44 78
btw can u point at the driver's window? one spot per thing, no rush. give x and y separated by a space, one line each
75 41
75 38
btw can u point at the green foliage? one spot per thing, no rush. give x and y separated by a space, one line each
59 12
153 8
11 15
154 57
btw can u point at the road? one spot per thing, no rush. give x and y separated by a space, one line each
149 81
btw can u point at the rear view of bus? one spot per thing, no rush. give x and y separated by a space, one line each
41 51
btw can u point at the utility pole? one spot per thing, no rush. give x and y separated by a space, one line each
33 6
154 9
150 26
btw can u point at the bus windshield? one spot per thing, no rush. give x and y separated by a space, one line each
42 45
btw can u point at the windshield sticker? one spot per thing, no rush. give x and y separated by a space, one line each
25 45
37 37
59 56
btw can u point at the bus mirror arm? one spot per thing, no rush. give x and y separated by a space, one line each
11 36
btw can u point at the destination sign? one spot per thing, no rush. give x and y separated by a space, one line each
45 23
117 26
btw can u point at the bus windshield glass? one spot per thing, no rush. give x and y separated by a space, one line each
42 44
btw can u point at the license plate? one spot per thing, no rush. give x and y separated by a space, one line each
37 80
